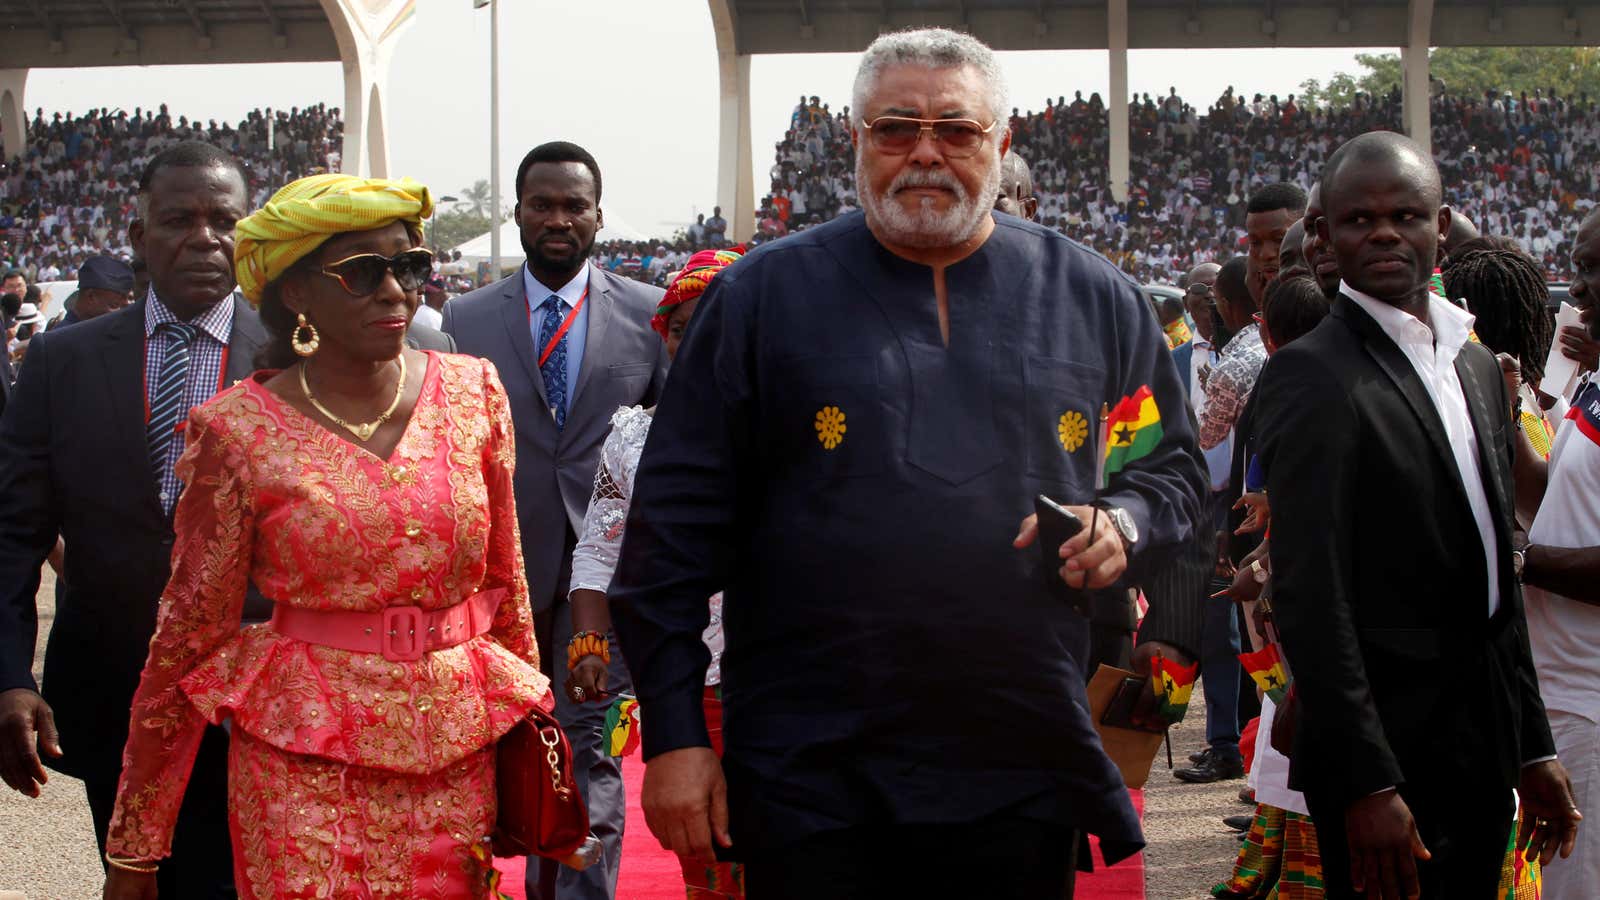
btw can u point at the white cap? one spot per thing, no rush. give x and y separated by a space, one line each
26 314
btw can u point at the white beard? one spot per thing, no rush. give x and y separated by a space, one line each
927 227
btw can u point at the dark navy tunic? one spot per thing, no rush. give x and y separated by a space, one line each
855 487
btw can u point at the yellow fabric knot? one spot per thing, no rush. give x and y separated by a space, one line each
308 211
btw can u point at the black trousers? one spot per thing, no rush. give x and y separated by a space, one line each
1464 827
201 864
999 858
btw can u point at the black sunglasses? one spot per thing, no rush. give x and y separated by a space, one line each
363 273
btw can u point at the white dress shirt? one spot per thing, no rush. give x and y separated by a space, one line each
1432 353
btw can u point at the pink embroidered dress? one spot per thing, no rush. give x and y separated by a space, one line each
350 774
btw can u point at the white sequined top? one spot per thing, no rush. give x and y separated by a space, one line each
595 559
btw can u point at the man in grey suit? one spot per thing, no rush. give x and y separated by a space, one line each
573 344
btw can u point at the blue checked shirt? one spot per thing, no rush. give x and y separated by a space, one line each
205 371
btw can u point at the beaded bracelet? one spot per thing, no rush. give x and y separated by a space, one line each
131 865
588 643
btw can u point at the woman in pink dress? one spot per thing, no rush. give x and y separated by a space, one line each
366 489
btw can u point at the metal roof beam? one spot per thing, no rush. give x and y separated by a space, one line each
200 27
48 24
114 7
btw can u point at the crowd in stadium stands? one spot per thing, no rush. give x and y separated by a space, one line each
1518 166
70 194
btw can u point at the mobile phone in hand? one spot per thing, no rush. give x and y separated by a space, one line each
1057 525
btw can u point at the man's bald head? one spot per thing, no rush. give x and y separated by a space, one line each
1386 149
1290 254
1461 231
1383 216
1016 188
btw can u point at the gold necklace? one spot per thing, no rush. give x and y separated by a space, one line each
363 431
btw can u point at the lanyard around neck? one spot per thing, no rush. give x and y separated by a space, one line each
561 332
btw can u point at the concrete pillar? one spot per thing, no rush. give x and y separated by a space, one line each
13 111
1117 101
1415 90
736 192
366 31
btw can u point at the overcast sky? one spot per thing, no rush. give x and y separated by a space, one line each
634 81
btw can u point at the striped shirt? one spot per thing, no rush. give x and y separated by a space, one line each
206 357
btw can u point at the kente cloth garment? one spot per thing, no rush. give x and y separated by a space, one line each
1278 860
713 881
319 523
854 484
307 211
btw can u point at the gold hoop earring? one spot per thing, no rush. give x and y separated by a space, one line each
307 346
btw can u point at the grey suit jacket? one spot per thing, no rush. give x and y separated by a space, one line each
624 364
426 337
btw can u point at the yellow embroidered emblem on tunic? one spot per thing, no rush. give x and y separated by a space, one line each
1072 430
830 426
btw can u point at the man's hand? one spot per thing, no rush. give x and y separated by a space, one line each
124 885
685 802
1145 652
27 725
1259 516
1224 566
1384 847
1549 816
1091 561
587 682
1577 344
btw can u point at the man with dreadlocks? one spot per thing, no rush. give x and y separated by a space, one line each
1559 566
1506 292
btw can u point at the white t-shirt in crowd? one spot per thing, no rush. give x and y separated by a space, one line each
1564 633
427 315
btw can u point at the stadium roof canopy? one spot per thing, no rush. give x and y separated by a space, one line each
358 34
828 26
67 33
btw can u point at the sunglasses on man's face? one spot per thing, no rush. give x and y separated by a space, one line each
363 274
956 138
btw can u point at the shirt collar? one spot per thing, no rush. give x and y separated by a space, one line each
216 321
1451 325
570 293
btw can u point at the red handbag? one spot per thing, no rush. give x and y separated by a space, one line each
541 812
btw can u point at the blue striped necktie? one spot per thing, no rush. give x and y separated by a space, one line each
167 400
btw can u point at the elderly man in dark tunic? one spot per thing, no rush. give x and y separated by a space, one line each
849 446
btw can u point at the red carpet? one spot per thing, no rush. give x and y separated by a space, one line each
651 873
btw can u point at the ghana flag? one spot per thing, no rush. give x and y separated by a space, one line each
1133 429
622 726
1172 684
1266 669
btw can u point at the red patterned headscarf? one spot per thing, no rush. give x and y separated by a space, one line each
692 281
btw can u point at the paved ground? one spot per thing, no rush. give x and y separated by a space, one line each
48 852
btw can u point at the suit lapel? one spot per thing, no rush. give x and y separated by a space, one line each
125 381
514 312
245 341
599 318
1478 407
1394 364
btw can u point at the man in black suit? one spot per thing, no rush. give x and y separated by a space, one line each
1387 445
76 458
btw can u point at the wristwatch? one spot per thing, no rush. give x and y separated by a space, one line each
1123 523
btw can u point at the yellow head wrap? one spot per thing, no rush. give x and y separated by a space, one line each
305 213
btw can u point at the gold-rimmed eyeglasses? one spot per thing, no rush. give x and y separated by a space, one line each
956 138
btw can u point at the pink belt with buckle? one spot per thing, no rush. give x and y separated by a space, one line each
400 633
